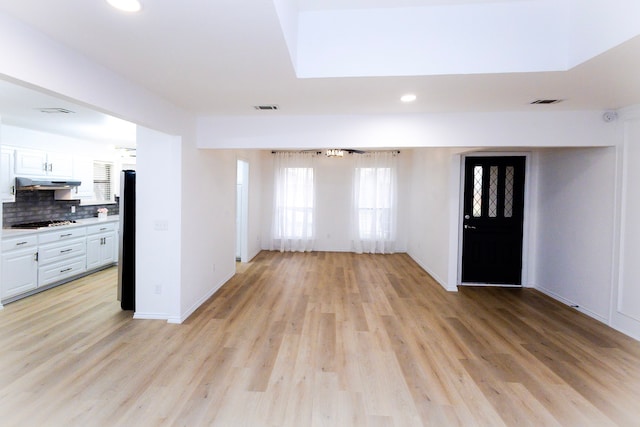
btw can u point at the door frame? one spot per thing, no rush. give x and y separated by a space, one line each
526 220
243 166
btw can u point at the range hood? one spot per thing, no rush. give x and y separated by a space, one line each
33 184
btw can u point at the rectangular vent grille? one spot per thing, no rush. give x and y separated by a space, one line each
546 101
56 110
270 107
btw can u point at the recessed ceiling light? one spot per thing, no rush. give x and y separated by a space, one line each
126 5
408 97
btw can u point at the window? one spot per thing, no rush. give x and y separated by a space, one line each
102 181
294 202
374 203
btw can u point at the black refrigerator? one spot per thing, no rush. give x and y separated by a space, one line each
127 244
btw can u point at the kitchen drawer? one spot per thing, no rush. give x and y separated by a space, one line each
60 235
54 252
19 242
61 270
101 228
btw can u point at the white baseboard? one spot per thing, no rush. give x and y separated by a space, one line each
201 301
572 304
150 316
437 278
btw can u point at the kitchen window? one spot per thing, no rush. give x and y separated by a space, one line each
102 173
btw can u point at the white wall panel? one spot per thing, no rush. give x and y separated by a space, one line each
626 302
575 227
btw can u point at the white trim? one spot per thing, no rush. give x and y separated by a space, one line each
526 223
455 213
629 113
150 316
570 303
434 275
202 300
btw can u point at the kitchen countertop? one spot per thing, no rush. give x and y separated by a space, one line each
15 232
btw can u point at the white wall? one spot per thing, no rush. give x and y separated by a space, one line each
158 224
625 304
498 129
208 236
430 212
575 226
334 178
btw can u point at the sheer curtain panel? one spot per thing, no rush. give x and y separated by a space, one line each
374 203
293 227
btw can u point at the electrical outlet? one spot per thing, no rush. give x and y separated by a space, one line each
73 209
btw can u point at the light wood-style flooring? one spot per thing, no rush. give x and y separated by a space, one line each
316 339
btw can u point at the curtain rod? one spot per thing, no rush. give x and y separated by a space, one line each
348 151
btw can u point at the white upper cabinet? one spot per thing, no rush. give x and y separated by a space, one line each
7 176
83 171
31 162
41 163
60 165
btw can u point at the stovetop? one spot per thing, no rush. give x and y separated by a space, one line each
44 224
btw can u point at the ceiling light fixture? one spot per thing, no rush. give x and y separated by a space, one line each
410 97
333 152
126 5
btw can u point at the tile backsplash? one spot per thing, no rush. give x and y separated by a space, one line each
41 206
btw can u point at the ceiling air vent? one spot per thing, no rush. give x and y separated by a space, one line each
56 110
270 107
546 101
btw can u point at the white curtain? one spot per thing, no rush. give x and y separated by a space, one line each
293 227
374 203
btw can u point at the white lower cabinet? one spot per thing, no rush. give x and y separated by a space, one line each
61 270
19 268
45 259
60 260
101 245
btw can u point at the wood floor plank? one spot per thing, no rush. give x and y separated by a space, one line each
316 339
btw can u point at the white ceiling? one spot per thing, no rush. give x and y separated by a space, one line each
225 56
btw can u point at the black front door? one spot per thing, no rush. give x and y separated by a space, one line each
493 217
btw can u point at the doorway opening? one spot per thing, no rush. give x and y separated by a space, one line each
242 210
493 219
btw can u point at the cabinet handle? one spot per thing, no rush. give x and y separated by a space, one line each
66 269
103 228
65 251
66 235
46 168
13 190
35 256
21 243
50 167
